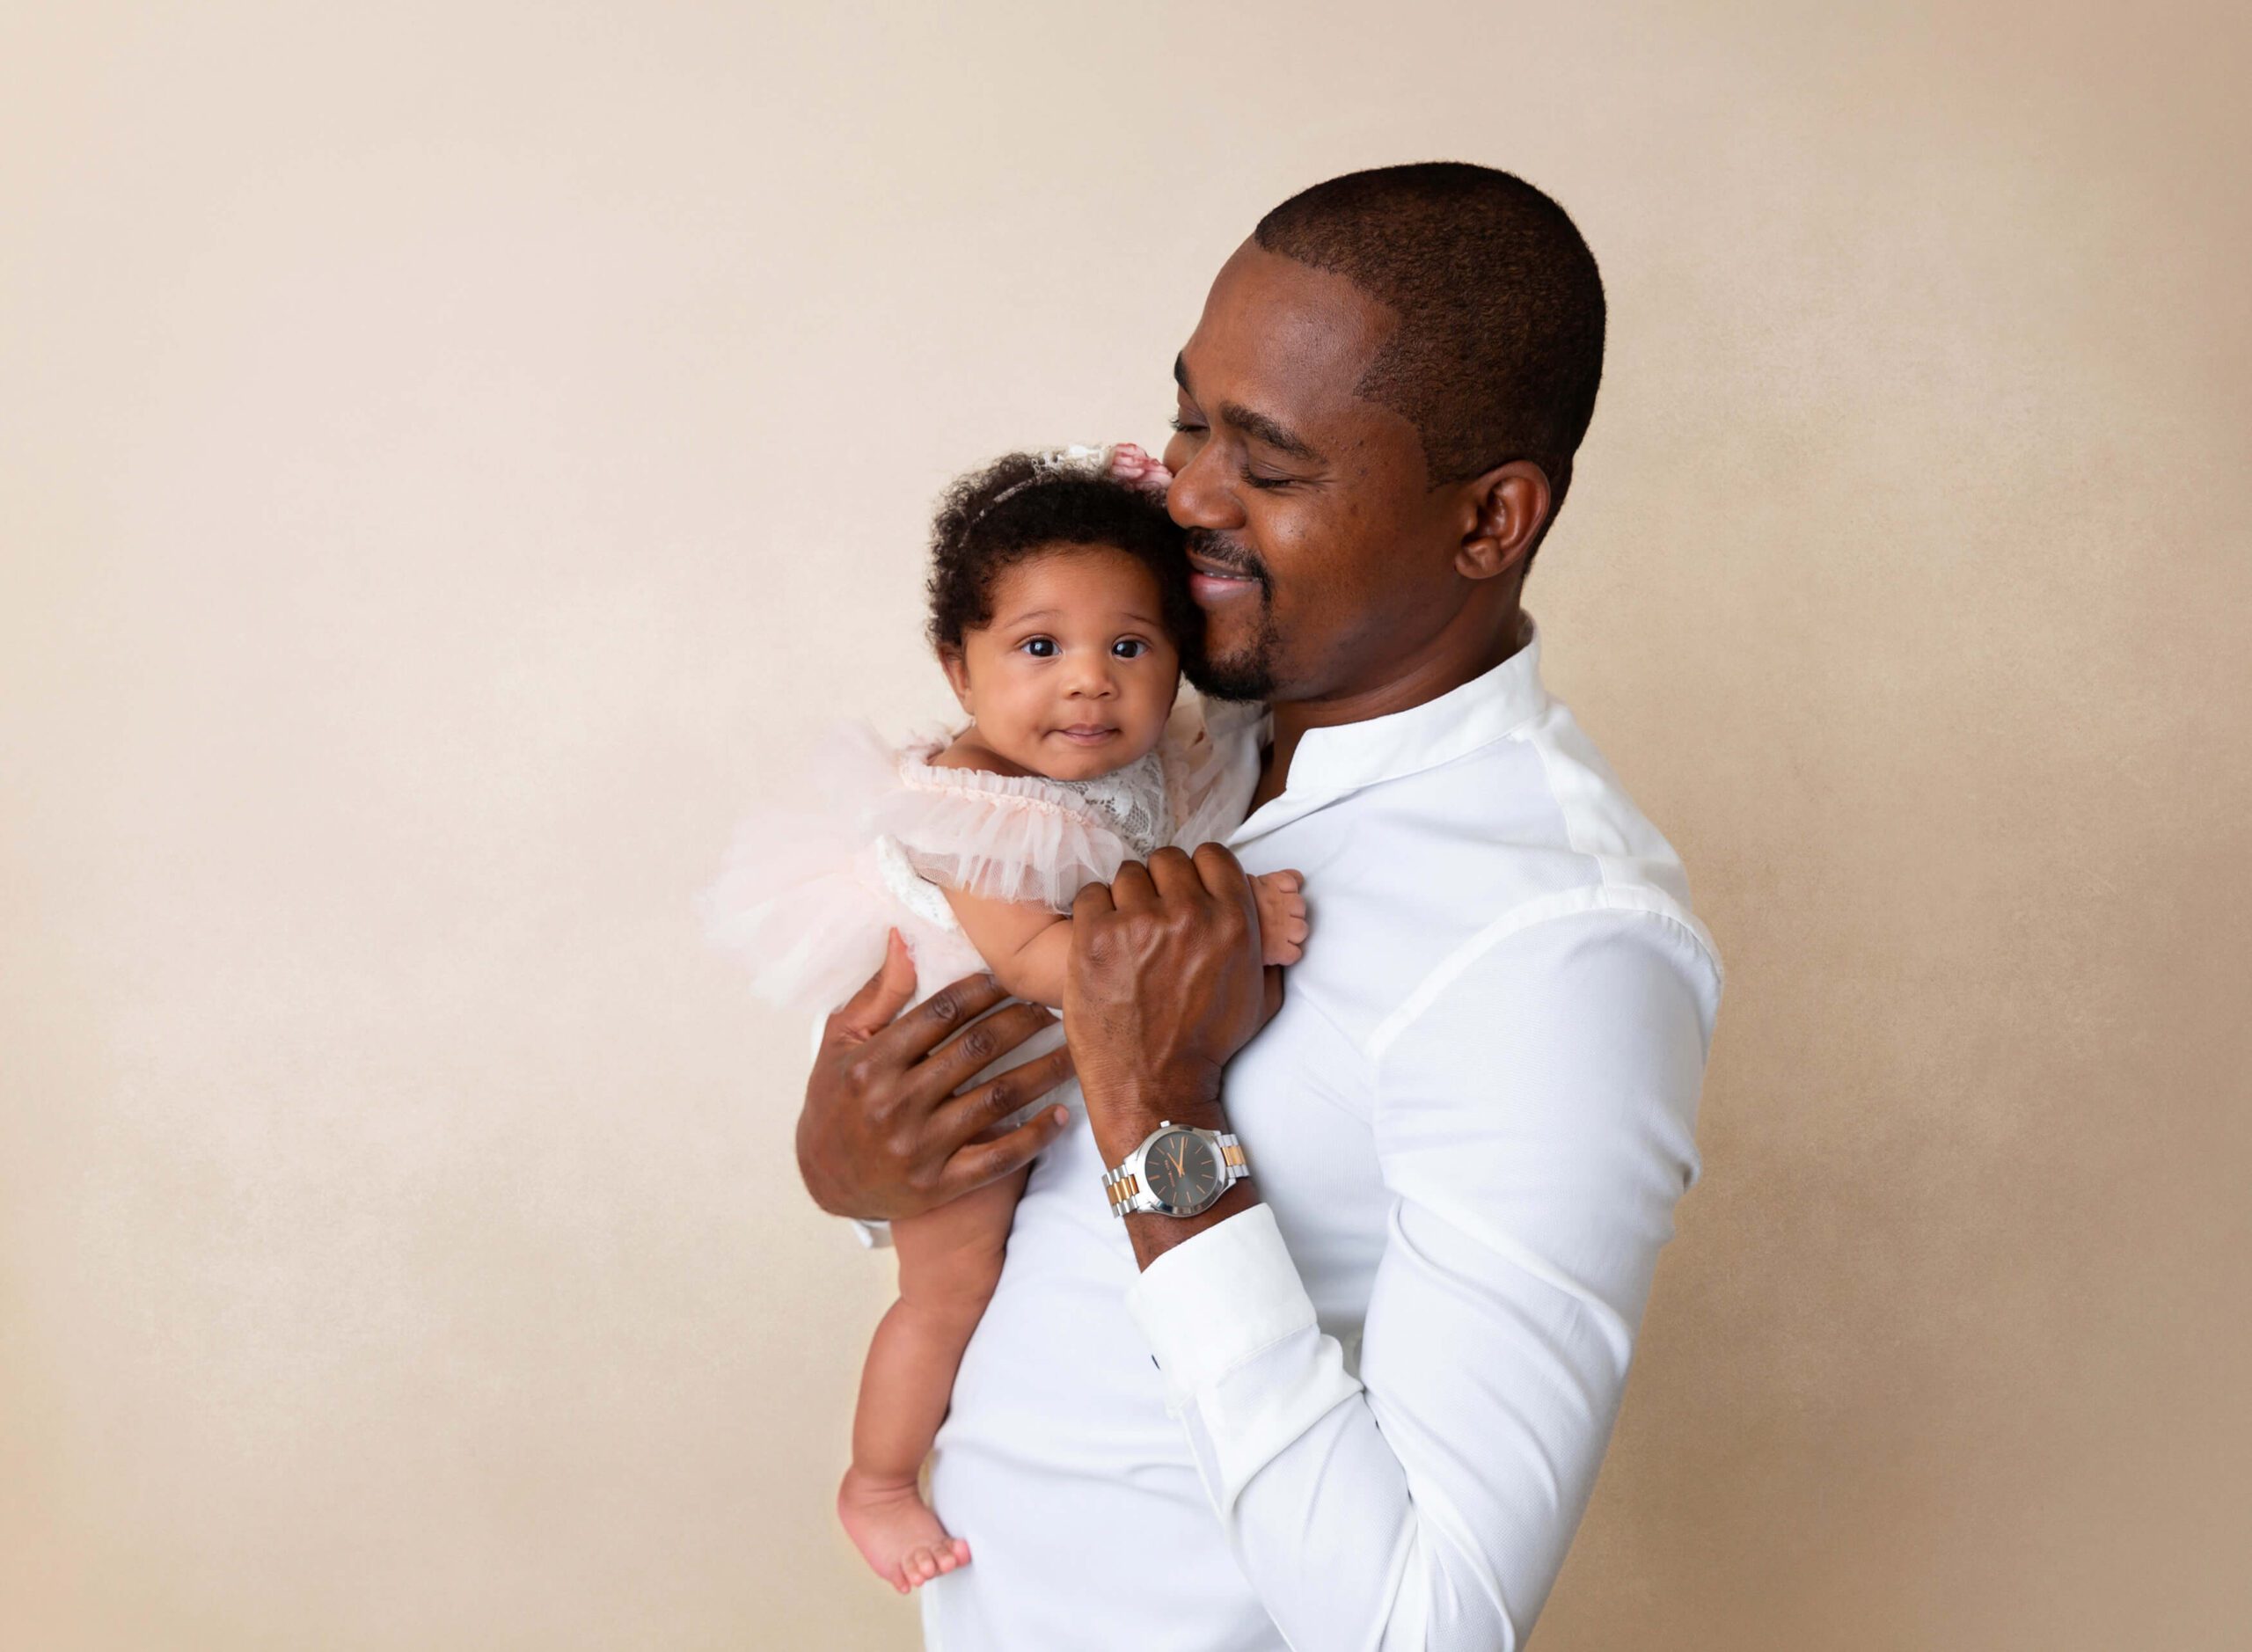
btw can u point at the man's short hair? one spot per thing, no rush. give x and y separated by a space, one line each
1500 342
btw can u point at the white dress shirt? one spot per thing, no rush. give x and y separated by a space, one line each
1367 1412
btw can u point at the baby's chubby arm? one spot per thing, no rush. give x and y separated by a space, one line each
1028 948
1026 945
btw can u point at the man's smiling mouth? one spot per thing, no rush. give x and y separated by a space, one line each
1210 569
1210 582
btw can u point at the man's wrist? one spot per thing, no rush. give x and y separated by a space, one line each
1122 1114
1123 1117
1153 1235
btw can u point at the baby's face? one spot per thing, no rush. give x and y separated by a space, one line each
1075 676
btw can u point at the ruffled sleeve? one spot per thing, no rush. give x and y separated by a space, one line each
1008 837
804 895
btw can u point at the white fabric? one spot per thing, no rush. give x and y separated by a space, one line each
1377 1401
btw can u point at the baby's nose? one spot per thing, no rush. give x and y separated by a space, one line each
1092 678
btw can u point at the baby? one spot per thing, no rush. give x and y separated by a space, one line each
1059 610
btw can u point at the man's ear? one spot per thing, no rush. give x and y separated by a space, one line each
1504 511
957 669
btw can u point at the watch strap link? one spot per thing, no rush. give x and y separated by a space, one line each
1124 1188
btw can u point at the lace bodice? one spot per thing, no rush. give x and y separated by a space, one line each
1135 801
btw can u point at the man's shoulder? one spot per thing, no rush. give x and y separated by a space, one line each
1542 790
1530 828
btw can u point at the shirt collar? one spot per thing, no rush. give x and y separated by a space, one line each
1348 757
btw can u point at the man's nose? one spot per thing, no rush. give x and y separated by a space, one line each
1199 496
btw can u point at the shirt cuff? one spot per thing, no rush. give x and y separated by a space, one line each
1247 1368
1211 1301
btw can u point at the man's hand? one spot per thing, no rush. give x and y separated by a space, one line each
1165 986
882 1134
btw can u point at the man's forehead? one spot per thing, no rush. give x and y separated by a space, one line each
1275 330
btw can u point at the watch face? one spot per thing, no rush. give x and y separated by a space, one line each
1182 1171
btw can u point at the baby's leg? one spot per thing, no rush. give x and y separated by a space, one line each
949 1261
1281 917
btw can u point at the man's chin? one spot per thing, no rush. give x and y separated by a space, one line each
1242 676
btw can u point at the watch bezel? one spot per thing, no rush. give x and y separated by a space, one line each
1151 1203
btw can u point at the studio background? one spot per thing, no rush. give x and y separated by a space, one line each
453 458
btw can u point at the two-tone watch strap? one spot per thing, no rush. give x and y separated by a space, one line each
1232 1155
1123 1185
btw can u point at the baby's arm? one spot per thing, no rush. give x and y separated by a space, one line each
1027 945
1028 948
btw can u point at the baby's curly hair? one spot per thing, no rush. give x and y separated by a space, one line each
979 533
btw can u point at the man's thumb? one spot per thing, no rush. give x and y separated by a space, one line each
881 998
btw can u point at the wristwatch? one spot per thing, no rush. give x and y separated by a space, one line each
1176 1171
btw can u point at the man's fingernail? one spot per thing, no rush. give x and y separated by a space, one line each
1062 1115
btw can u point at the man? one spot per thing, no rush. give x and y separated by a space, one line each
1359 1399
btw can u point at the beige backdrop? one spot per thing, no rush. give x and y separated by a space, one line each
450 458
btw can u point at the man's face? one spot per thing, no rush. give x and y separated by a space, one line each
1322 558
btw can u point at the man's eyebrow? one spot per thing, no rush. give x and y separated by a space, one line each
1257 426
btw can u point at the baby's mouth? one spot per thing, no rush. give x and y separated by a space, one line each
1087 734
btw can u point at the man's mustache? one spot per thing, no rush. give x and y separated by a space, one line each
1223 553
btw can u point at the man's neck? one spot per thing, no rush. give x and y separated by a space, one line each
1451 662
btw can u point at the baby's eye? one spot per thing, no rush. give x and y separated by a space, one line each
1129 647
1039 647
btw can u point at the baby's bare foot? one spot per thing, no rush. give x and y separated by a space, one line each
895 1532
1282 927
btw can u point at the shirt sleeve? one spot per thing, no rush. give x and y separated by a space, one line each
1534 1123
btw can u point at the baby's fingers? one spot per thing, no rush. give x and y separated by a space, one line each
1283 942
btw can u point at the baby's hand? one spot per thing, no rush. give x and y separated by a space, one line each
1129 464
1281 917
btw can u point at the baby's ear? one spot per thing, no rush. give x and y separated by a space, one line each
957 669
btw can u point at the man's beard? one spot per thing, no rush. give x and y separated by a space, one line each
1248 674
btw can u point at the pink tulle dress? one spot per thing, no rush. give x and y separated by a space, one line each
810 885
